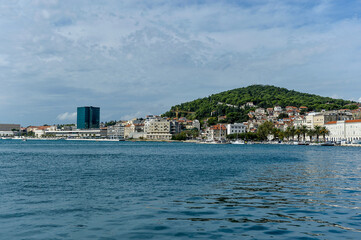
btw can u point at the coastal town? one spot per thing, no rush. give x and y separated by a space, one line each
277 124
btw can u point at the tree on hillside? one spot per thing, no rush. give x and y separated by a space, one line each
262 96
283 115
212 121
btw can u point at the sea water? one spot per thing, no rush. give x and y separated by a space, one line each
145 190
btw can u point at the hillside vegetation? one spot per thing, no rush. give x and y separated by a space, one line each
264 96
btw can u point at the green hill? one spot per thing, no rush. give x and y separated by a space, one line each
264 96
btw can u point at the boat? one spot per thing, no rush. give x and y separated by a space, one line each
238 142
303 143
327 144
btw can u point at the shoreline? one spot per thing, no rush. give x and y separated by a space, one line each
168 141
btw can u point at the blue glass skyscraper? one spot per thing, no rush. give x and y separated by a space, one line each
88 117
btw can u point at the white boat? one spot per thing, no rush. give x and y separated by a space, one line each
238 142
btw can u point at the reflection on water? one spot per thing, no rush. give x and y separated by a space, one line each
166 191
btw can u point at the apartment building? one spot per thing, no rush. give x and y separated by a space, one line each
160 128
236 128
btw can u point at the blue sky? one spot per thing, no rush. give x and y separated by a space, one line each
132 58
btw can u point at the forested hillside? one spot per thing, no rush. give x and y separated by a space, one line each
261 95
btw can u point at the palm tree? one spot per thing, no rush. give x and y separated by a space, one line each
311 133
303 131
298 133
324 131
287 133
317 132
292 132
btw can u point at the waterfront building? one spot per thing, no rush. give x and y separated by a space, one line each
116 131
88 117
128 129
6 133
321 118
80 133
40 131
236 128
7 130
217 132
345 130
159 128
134 129
9 127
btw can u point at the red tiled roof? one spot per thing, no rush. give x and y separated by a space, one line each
347 121
218 127
353 121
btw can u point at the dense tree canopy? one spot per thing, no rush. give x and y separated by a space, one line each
229 102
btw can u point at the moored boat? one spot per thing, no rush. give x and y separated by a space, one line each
327 144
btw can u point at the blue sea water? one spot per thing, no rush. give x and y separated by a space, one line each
145 190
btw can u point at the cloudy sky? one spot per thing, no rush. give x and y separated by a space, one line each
133 58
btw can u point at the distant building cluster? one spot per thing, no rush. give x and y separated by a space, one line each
342 125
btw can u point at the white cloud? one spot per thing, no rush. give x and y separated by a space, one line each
359 100
136 57
3 61
133 115
67 116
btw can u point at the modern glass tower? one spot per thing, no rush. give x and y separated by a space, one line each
88 117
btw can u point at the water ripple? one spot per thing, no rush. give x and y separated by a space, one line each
63 190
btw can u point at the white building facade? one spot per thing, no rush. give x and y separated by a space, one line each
347 130
217 133
236 128
116 131
158 129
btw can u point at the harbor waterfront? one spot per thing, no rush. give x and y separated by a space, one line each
160 190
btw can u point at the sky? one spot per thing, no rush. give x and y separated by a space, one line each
133 58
